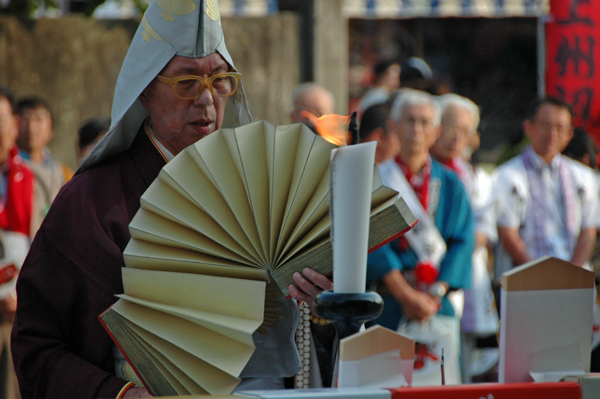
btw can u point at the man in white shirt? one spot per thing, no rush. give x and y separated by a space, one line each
546 204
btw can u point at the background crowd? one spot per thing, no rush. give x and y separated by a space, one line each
30 180
541 199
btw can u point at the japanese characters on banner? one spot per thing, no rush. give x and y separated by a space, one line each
573 60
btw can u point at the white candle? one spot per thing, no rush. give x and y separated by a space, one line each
351 180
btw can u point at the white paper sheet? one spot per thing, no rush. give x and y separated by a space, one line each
544 331
379 371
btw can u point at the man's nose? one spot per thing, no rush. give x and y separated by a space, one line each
455 137
205 98
419 129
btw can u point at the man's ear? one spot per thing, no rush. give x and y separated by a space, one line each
376 135
527 126
391 126
567 139
436 135
570 136
144 99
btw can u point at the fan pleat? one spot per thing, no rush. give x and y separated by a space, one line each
148 226
223 353
311 163
207 378
168 203
185 175
232 327
219 166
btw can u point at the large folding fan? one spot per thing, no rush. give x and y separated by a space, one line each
240 207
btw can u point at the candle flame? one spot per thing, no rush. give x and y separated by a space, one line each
332 127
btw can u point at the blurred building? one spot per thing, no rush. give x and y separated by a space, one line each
488 50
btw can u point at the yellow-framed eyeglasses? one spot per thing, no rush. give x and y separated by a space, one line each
189 87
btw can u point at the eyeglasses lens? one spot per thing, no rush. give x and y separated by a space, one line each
221 86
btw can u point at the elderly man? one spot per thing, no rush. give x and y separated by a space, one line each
458 131
313 98
546 204
414 274
460 118
458 139
171 92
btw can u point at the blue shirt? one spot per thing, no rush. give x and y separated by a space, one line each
455 221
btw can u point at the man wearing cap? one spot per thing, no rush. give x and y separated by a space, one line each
171 92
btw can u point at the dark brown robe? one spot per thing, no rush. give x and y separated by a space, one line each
72 274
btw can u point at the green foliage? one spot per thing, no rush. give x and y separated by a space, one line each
91 6
29 8
26 8
141 5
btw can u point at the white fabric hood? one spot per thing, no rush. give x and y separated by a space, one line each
189 28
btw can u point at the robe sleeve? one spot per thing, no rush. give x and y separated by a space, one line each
47 343
380 262
70 276
72 273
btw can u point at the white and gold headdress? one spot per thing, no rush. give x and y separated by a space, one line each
189 28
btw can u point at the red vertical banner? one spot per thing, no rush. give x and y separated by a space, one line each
573 59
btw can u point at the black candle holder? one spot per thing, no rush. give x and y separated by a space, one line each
348 312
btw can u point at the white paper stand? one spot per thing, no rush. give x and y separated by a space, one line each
546 321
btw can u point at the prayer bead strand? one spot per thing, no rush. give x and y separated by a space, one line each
303 336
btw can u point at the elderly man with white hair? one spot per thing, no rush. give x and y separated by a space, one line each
415 272
458 139
458 131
